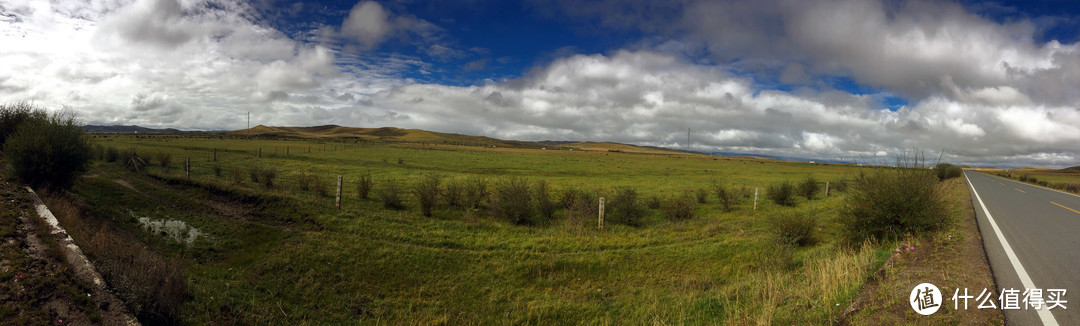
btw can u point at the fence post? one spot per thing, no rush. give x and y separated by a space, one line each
338 202
755 197
826 189
600 217
286 150
260 152
187 167
215 155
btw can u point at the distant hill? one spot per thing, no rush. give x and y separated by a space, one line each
129 130
1071 169
423 136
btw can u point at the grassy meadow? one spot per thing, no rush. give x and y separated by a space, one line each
284 255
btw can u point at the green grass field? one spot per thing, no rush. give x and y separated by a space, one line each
295 259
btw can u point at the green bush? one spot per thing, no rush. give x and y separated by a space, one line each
511 201
304 180
702 196
946 171
544 205
839 186
727 197
390 195
48 151
624 208
13 115
111 154
793 228
266 176
893 203
679 208
236 175
580 204
808 188
475 193
454 193
427 193
654 202
782 194
164 159
364 185
1024 178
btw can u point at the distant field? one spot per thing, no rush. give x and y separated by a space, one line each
298 260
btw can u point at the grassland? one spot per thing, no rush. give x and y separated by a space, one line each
1067 179
286 256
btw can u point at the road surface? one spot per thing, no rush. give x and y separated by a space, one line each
1032 239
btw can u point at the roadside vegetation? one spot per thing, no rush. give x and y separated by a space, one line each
1067 179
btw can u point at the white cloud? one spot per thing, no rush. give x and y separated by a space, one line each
368 24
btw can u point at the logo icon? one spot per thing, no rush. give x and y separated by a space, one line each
925 299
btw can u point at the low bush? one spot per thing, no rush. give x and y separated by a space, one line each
782 194
893 203
625 208
265 176
45 150
236 175
304 180
164 159
839 186
390 195
725 196
13 115
453 193
475 192
544 204
946 171
511 201
654 202
579 204
427 193
793 228
112 154
679 208
808 188
364 185
702 196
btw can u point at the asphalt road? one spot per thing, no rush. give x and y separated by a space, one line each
1041 247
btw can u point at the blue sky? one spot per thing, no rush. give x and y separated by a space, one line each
987 82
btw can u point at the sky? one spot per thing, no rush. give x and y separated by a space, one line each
988 83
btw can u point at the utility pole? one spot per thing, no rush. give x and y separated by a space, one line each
249 120
688 143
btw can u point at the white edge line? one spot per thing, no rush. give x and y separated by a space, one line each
1044 314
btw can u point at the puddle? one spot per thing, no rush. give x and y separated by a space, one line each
172 229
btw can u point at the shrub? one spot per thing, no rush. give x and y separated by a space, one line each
164 159
725 196
782 193
47 150
475 192
391 195
511 201
266 176
544 205
453 193
793 228
625 208
702 196
427 192
364 185
679 208
579 204
1043 183
839 186
111 154
946 171
654 202
809 187
236 176
304 180
893 203
254 174
13 115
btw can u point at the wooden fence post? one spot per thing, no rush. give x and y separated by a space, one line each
187 167
286 150
260 152
826 189
215 155
337 204
600 217
755 197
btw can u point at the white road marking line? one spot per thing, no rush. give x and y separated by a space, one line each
1044 314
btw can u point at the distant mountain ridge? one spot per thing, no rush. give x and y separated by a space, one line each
119 129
